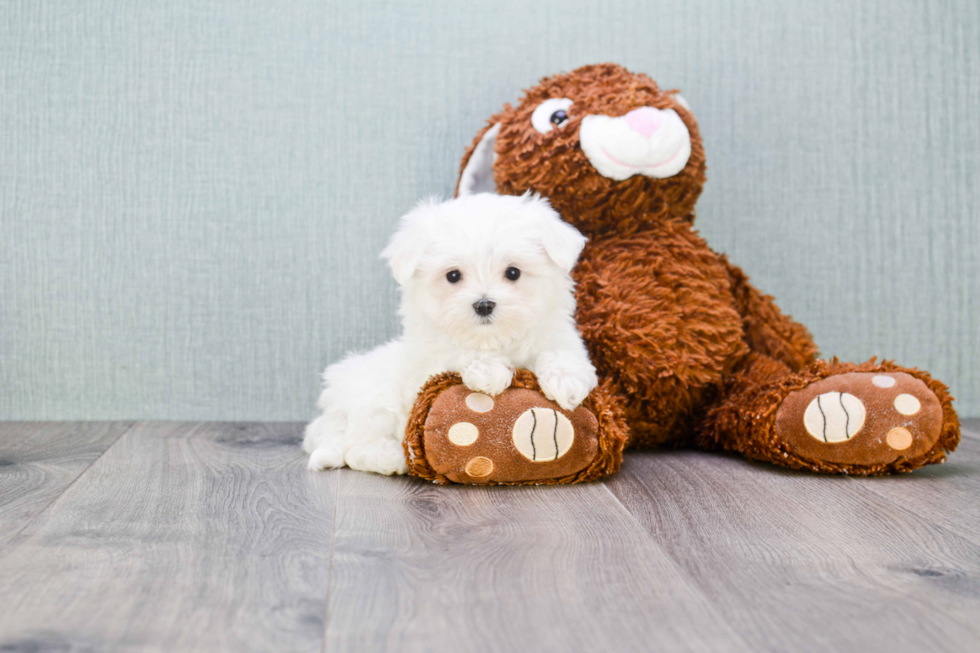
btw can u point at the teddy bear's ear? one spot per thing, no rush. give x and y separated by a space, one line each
407 247
561 241
679 99
477 174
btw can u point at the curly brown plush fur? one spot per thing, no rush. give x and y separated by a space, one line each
679 337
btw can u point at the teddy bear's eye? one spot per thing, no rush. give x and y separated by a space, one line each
550 114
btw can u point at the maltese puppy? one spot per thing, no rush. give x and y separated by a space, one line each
485 289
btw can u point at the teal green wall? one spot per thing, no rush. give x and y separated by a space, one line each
193 193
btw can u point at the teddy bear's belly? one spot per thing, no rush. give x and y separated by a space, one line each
659 318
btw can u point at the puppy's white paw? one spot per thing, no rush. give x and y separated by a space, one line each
328 457
378 456
567 391
565 379
488 375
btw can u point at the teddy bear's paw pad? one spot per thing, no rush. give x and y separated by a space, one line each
861 418
518 436
834 416
543 434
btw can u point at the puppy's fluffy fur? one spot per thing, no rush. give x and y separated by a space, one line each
367 398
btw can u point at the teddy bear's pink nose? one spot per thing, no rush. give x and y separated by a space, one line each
644 120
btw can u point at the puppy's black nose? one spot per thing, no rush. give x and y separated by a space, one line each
484 307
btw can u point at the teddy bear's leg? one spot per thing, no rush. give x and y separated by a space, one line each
767 330
832 417
517 437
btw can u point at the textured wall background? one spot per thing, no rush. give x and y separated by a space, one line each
193 193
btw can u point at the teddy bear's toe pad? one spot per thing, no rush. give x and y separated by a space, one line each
861 418
515 437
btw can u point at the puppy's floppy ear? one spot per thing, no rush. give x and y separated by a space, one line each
406 248
561 241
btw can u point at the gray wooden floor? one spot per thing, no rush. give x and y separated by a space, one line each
182 537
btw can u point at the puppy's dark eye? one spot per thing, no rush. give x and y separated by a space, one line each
453 276
558 117
512 273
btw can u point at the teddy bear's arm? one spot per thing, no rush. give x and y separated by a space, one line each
767 330
656 309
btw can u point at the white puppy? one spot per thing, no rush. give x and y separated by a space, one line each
485 289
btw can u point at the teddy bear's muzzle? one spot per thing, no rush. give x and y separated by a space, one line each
646 141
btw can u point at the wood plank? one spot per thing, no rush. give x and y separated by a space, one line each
797 561
419 567
947 495
181 537
971 427
38 460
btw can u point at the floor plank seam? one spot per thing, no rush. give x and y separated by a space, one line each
678 568
333 541
868 488
16 536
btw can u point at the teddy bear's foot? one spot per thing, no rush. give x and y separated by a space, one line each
518 437
861 420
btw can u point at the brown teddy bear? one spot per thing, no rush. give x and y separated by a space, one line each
688 352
